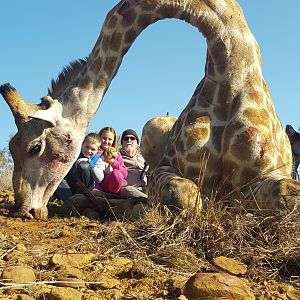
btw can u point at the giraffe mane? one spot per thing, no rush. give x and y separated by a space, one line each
69 73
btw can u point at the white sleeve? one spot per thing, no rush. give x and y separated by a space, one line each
98 170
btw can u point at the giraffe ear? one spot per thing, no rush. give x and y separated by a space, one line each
290 130
52 115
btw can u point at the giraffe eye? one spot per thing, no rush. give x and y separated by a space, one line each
35 149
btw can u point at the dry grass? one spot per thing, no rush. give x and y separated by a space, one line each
269 245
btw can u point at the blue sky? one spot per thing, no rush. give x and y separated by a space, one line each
160 71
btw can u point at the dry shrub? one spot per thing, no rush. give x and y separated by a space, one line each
268 243
6 180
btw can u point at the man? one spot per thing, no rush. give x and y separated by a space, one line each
136 180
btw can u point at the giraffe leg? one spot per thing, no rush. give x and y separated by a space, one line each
272 193
169 188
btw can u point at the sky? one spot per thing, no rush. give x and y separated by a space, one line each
159 73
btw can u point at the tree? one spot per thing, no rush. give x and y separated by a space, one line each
6 162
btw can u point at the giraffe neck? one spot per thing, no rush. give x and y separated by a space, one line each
221 22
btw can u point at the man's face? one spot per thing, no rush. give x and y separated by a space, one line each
129 142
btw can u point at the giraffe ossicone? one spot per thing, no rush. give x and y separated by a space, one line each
229 125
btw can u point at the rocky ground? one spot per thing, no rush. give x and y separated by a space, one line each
85 258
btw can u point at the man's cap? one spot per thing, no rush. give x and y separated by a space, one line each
129 132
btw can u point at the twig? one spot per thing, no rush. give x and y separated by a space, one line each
8 251
14 285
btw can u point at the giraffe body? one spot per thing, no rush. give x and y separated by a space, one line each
230 119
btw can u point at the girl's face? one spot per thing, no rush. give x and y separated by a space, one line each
107 139
88 149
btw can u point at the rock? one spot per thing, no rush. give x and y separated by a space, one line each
61 293
293 293
21 247
117 265
217 286
105 281
18 274
74 259
69 271
230 265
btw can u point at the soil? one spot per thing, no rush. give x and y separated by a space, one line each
34 243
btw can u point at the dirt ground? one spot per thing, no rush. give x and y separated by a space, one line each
117 259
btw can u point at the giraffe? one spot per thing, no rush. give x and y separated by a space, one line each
154 138
294 138
230 116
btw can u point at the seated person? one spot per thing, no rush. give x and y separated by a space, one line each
109 171
136 180
82 169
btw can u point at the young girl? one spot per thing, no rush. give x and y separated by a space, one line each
113 168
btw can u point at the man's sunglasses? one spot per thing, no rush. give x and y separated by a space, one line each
129 138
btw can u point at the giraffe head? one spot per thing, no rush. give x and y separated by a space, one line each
43 150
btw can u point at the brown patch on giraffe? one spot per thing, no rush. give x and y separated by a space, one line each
96 65
221 112
230 131
204 27
240 147
195 157
171 150
128 18
224 93
105 42
219 53
110 65
167 12
206 96
216 137
86 82
255 95
115 41
146 6
257 116
112 22
130 35
144 20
